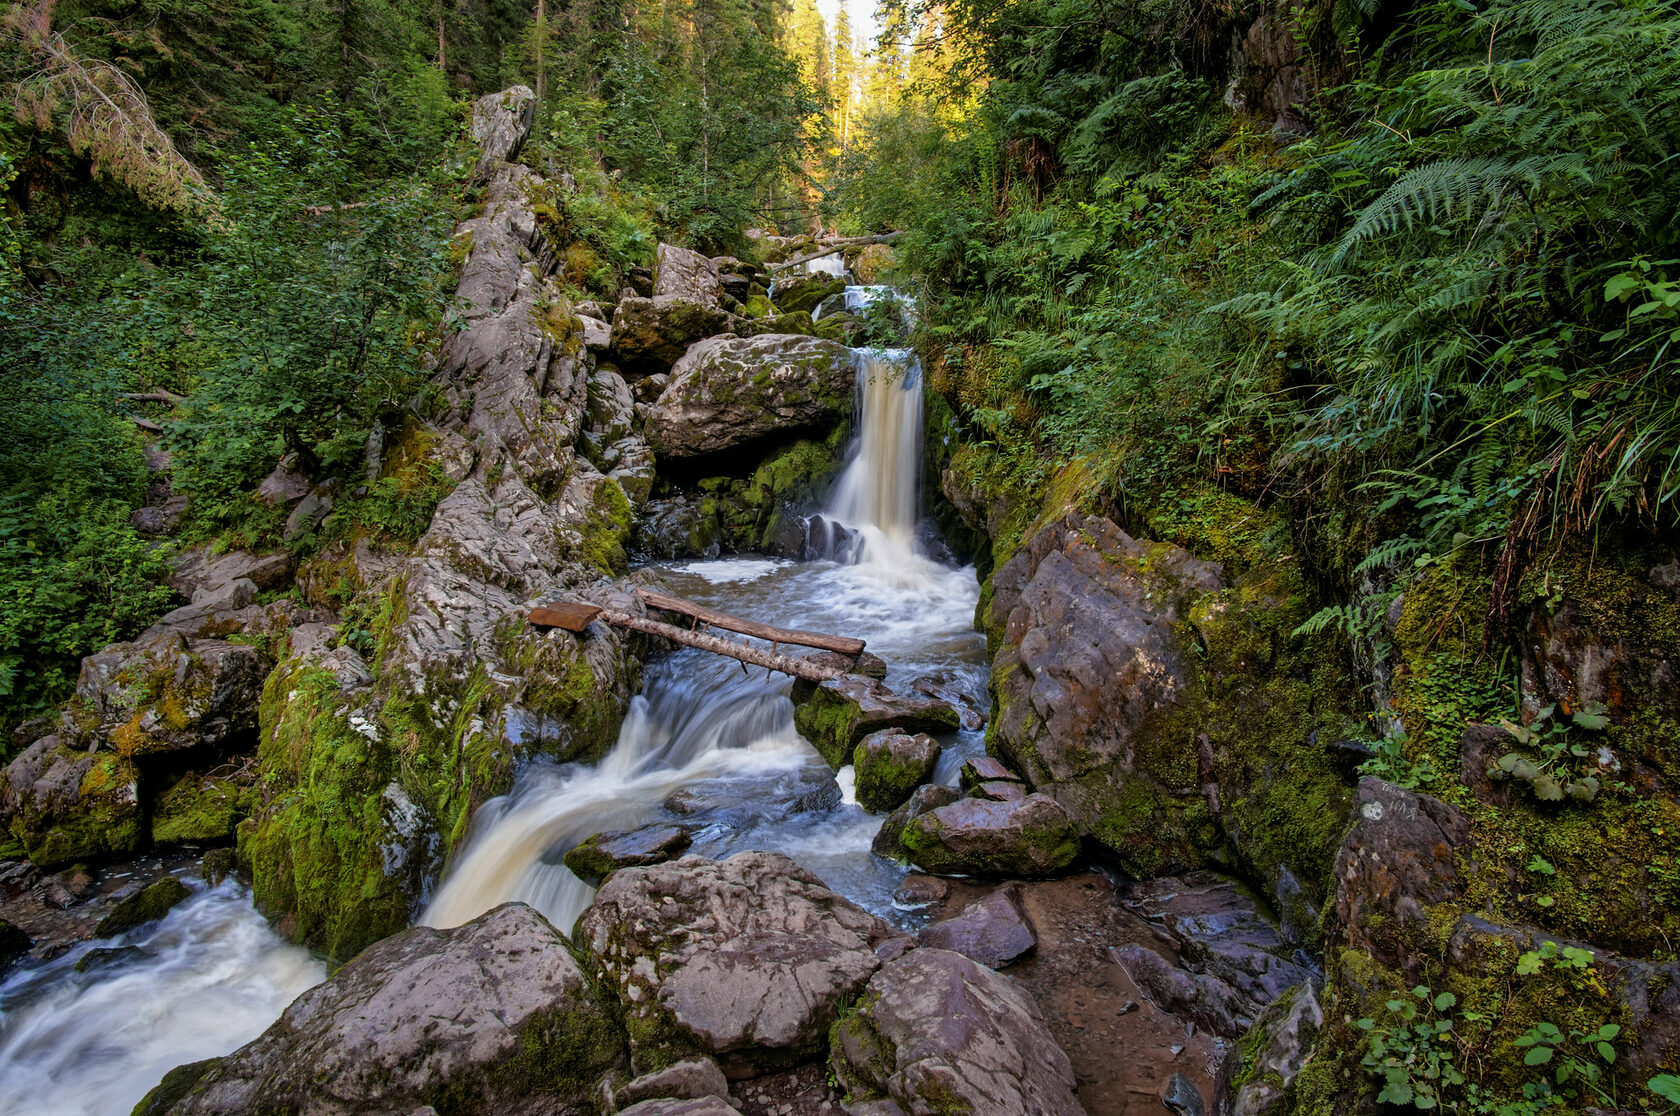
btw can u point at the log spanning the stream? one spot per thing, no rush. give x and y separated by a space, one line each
575 616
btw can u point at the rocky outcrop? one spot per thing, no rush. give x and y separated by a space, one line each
835 716
500 123
891 764
66 804
168 693
371 766
747 959
729 393
1169 707
681 273
889 839
936 1032
491 1017
1030 838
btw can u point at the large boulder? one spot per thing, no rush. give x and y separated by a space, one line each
1169 706
936 1032
747 959
802 293
649 335
1029 838
491 1017
728 393
168 693
682 273
889 839
836 715
992 930
66 804
889 765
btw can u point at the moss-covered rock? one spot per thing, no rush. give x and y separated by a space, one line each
604 853
836 715
1031 838
889 765
145 906
67 805
197 810
800 294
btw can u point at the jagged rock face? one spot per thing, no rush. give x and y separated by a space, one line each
169 693
500 123
1168 709
728 393
747 959
354 824
494 1016
936 1032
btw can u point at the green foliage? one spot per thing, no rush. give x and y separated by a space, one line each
1564 766
1412 1049
1393 763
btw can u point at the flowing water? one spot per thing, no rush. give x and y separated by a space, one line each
712 746
207 978
708 744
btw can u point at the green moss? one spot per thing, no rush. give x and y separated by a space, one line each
196 810
605 530
104 821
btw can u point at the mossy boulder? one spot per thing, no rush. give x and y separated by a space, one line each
197 810
1032 838
490 1017
889 839
145 906
649 335
836 715
728 393
168 693
802 293
65 805
889 765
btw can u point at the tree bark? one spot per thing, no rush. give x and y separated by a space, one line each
770 660
844 645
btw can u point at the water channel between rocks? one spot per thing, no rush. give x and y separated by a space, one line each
707 743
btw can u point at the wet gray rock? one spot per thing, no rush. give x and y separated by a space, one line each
984 769
937 1032
972 706
494 1016
604 853
890 765
731 392
1221 958
310 512
746 959
1032 838
889 839
836 715
678 528
1180 1095
142 907
994 930
1000 790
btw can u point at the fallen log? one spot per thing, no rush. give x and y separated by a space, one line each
830 247
156 395
770 660
845 645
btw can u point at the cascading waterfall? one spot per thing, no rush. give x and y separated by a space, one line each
702 723
875 503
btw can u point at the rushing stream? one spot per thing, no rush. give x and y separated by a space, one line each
707 743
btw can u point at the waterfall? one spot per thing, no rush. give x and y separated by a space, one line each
876 496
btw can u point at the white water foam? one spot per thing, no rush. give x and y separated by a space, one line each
210 977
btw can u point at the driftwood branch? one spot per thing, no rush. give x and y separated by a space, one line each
145 424
829 247
845 645
770 660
